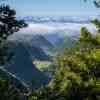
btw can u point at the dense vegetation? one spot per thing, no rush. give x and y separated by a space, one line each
8 25
77 75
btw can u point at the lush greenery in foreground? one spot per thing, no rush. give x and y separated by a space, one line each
78 73
8 25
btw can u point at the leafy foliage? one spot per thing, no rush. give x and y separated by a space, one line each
8 91
78 74
8 25
96 2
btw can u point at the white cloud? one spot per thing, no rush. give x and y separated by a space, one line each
52 27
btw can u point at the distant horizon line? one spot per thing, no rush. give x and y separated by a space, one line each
59 15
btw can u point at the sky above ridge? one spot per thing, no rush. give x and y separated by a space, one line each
53 7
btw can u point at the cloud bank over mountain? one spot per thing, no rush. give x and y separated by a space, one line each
34 28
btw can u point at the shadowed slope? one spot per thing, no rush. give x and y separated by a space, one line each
21 66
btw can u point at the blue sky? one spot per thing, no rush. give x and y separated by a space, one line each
53 7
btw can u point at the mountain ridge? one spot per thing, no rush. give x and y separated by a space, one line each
63 19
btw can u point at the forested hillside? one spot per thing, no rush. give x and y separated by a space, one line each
74 68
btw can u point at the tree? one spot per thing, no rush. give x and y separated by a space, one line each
96 3
8 92
8 25
78 74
